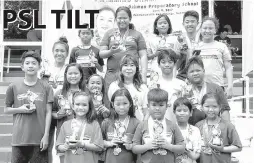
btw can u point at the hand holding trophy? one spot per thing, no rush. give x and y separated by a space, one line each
65 108
119 42
158 129
31 98
120 131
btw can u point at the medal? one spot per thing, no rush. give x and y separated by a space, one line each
117 150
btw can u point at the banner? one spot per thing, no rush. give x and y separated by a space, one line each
144 13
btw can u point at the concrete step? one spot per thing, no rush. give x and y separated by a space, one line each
6 128
6 118
5 154
5 140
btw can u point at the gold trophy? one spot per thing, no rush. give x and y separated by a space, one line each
31 98
158 129
120 131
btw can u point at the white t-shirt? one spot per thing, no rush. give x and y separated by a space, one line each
193 134
139 95
153 45
214 55
173 87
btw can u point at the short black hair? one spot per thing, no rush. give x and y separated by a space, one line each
194 60
167 53
86 26
191 13
157 95
32 54
182 101
223 30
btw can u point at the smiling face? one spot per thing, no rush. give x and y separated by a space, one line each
60 53
208 30
157 110
121 105
73 75
81 105
105 21
30 66
195 74
123 20
182 113
162 25
94 83
190 24
128 69
211 108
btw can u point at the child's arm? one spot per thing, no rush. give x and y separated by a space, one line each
72 55
20 110
61 145
193 155
231 148
229 74
9 101
138 147
44 140
175 148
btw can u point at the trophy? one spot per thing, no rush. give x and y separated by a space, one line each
64 105
118 40
182 40
162 42
31 98
46 74
216 136
154 77
158 129
92 57
120 131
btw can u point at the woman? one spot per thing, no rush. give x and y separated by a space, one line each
118 41
104 21
130 79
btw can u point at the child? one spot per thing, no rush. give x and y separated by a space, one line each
219 137
157 139
96 88
191 38
118 131
62 108
215 55
87 55
30 102
183 111
222 37
55 77
162 39
130 78
166 61
81 138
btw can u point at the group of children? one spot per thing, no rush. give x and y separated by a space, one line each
128 122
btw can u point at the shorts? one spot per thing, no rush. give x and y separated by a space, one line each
31 154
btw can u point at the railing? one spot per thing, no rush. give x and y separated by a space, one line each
246 96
